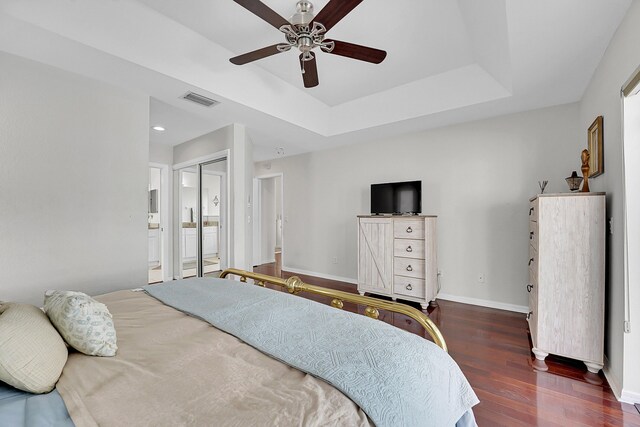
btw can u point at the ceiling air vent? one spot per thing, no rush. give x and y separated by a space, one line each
200 99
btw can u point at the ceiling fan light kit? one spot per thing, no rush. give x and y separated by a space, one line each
306 32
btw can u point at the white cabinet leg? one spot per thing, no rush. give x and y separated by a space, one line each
394 298
361 293
424 305
538 363
594 368
540 355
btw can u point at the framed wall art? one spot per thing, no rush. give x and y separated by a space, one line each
595 140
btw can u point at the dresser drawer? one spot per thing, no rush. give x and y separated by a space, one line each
408 267
408 248
533 260
408 229
533 210
533 234
409 286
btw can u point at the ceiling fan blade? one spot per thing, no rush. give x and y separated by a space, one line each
334 11
255 55
263 11
356 51
309 71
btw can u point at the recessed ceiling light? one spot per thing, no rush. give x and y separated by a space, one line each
158 128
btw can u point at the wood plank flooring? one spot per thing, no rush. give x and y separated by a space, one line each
492 348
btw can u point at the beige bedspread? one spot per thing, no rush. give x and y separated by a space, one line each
172 370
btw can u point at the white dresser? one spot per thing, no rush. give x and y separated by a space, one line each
397 257
566 276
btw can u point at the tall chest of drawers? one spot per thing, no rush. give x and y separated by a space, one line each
566 276
397 257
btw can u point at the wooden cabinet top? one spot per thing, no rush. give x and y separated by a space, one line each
577 194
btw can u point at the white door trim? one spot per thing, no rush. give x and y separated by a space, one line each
204 159
224 216
257 222
165 221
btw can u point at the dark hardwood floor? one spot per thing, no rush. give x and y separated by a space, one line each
492 348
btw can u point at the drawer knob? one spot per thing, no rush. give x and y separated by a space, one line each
530 211
529 315
530 261
409 287
529 287
409 268
531 235
409 230
409 249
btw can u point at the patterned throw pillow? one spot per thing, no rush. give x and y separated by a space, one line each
32 353
83 322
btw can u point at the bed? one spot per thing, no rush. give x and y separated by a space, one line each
271 359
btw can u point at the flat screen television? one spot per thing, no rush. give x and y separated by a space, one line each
398 198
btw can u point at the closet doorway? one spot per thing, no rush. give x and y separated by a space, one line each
268 215
202 211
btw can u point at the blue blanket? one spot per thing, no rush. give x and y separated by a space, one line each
397 378
18 408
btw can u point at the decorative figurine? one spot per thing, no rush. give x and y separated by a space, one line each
585 170
574 181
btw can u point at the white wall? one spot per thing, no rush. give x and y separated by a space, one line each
162 154
73 183
477 177
632 184
602 97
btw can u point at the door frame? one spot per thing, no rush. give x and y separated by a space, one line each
165 221
223 220
195 163
257 212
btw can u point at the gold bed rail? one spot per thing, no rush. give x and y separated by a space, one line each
295 285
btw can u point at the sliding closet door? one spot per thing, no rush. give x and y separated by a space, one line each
213 215
201 212
188 221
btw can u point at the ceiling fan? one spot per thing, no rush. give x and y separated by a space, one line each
306 31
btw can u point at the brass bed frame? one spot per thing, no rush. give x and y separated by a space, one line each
295 285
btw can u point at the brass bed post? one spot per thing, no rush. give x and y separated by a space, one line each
294 285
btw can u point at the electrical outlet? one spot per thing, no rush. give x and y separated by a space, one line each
611 225
334 260
481 278
627 327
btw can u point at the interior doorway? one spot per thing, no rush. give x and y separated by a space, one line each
268 244
157 220
201 230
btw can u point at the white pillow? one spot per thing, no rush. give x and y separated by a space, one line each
83 322
32 353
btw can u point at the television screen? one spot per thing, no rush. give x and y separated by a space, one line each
396 198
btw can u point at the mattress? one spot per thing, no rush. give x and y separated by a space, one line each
174 369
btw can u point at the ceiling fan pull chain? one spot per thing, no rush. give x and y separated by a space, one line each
303 67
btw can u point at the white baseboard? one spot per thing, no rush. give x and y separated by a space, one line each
484 303
613 381
321 275
630 397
